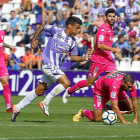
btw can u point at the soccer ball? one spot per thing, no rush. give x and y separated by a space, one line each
109 117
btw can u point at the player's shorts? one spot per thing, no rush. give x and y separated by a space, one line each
50 74
96 69
3 71
100 101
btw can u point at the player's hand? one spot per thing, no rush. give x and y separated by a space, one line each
87 57
135 121
117 50
13 49
125 122
34 43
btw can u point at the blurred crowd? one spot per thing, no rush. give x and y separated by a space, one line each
55 12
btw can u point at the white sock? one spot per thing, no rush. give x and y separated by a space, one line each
26 100
56 91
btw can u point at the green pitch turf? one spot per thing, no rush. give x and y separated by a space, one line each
34 125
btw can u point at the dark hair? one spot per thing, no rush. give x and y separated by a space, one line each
118 16
110 11
27 49
129 78
120 36
85 17
11 59
133 37
12 11
73 20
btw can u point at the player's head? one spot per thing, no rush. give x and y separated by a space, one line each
128 82
110 16
73 25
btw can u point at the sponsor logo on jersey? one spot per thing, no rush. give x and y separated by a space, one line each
48 26
101 38
102 30
113 94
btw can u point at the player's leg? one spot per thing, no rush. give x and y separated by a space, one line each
64 83
31 96
6 92
53 75
110 68
96 115
94 72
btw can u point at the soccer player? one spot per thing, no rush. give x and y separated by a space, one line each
101 60
112 87
61 41
4 75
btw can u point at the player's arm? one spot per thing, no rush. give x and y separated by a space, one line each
104 47
117 111
135 109
76 58
34 41
133 94
8 46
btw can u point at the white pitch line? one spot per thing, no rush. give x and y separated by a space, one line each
70 137
72 125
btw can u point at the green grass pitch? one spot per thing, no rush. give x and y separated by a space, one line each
32 124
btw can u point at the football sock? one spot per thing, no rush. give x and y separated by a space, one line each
26 100
7 95
88 114
56 91
77 86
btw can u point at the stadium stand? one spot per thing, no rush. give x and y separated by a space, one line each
123 63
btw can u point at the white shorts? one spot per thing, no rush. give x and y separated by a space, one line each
50 74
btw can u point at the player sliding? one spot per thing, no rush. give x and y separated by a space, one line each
101 60
112 87
4 76
59 44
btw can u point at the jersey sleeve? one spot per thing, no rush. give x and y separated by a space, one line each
113 93
133 92
73 50
51 29
101 35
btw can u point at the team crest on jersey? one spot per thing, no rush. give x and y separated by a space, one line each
101 38
113 94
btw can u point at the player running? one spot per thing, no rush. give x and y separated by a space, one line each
59 44
4 75
112 87
101 60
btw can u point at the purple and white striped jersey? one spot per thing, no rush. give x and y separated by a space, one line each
119 25
95 11
130 10
121 3
111 7
59 44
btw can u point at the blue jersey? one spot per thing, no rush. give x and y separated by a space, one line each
59 44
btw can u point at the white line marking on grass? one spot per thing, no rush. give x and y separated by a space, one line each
68 125
69 137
